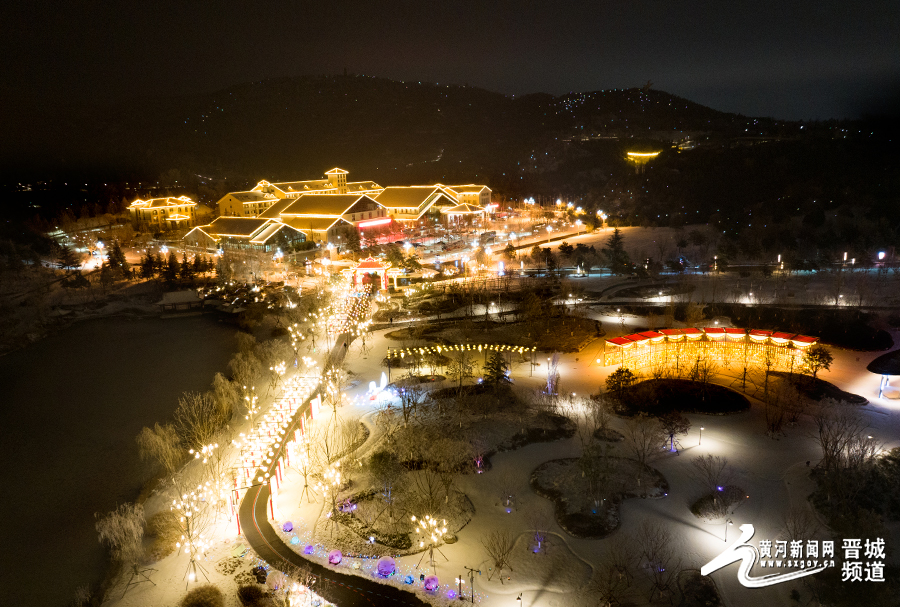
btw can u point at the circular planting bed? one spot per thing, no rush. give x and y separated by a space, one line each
713 507
817 389
661 396
582 510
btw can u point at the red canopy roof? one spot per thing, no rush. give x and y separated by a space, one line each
619 341
714 330
782 335
651 334
734 331
670 331
637 337
806 339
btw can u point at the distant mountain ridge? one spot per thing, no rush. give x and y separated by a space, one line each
287 128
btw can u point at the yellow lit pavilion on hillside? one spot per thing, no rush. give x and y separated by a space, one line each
640 159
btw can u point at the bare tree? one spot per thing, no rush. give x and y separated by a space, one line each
614 576
839 427
539 520
122 530
273 356
674 424
449 456
499 545
461 367
368 511
774 407
660 560
227 397
713 474
198 419
793 402
246 343
326 441
162 445
411 397
193 509
336 381
390 478
506 488
427 491
303 461
388 419
799 524
598 411
246 369
644 438
350 435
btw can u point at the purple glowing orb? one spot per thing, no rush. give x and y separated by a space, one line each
309 549
287 527
431 583
386 566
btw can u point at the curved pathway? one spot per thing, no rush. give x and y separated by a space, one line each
341 589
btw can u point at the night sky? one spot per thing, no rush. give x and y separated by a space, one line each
800 59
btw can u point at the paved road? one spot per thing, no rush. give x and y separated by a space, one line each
338 588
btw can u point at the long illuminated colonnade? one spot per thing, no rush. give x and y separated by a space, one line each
269 442
726 347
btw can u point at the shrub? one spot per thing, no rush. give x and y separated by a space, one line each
165 531
251 596
203 596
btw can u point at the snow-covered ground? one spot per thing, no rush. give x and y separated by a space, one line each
773 472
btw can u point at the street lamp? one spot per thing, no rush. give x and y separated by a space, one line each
701 436
728 521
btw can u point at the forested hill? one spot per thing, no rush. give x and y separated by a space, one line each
766 183
390 131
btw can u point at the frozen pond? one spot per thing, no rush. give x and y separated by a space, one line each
72 406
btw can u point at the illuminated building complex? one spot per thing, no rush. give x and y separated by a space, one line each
682 349
163 213
248 233
321 203
253 202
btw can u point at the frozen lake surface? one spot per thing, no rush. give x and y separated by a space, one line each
72 406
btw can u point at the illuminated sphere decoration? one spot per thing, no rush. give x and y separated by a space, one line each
335 557
431 583
287 527
309 549
386 566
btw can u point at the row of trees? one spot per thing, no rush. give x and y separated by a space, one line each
201 430
613 256
171 270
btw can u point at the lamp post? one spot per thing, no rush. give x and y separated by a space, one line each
728 521
701 436
472 573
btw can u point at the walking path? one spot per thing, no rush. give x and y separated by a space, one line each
341 589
